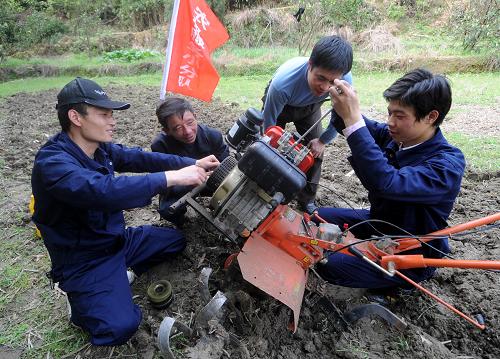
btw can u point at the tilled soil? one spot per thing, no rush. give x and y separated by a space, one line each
258 321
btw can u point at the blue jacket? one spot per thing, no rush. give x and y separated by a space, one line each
414 189
79 201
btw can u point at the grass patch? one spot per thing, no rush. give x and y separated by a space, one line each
14 276
476 89
403 343
468 89
434 43
481 153
33 85
281 54
14 335
33 315
247 91
83 60
59 61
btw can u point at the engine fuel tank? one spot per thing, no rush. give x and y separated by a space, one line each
272 171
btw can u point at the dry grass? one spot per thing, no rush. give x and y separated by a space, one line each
267 17
379 39
493 63
438 64
344 32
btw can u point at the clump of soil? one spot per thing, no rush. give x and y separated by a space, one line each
260 322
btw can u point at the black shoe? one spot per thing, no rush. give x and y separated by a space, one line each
178 219
382 296
388 296
309 207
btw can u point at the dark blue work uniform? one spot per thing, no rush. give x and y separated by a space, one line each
413 189
208 141
78 209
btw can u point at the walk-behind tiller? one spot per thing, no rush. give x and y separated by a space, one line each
280 245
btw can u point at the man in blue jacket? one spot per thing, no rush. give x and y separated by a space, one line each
183 136
295 94
411 172
78 210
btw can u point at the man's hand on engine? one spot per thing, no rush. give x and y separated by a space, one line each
187 176
208 163
345 102
316 147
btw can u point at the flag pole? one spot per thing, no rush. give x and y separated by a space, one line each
168 51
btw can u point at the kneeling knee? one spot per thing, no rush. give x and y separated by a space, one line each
118 333
125 328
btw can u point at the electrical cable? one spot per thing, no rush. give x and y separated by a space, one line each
343 199
363 221
408 234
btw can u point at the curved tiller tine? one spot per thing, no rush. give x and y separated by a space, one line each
211 310
165 331
203 284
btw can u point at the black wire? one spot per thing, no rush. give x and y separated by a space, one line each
355 243
343 199
410 235
368 221
383 237
485 228
418 238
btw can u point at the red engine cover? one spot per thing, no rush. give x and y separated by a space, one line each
275 133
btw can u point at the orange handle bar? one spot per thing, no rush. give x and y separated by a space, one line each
406 244
418 261
447 305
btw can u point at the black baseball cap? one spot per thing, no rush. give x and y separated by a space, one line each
87 91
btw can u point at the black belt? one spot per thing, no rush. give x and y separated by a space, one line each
67 255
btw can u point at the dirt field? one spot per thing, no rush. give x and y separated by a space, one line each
432 332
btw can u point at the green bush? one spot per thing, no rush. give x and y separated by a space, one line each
242 4
40 27
70 9
8 26
357 14
395 11
218 7
143 14
129 55
476 23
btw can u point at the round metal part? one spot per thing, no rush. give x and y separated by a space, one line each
245 129
226 166
160 294
230 184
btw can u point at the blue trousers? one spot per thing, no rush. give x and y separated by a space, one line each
350 271
99 292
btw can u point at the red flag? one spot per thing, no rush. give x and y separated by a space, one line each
195 32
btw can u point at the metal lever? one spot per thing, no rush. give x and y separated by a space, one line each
358 254
305 133
182 201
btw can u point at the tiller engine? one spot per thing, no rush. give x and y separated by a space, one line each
279 245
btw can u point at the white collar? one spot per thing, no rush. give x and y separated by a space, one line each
400 146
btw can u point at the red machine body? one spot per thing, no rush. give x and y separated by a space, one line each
281 245
278 254
282 140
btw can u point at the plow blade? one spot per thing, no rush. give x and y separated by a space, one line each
275 272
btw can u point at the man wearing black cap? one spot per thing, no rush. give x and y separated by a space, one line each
78 210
